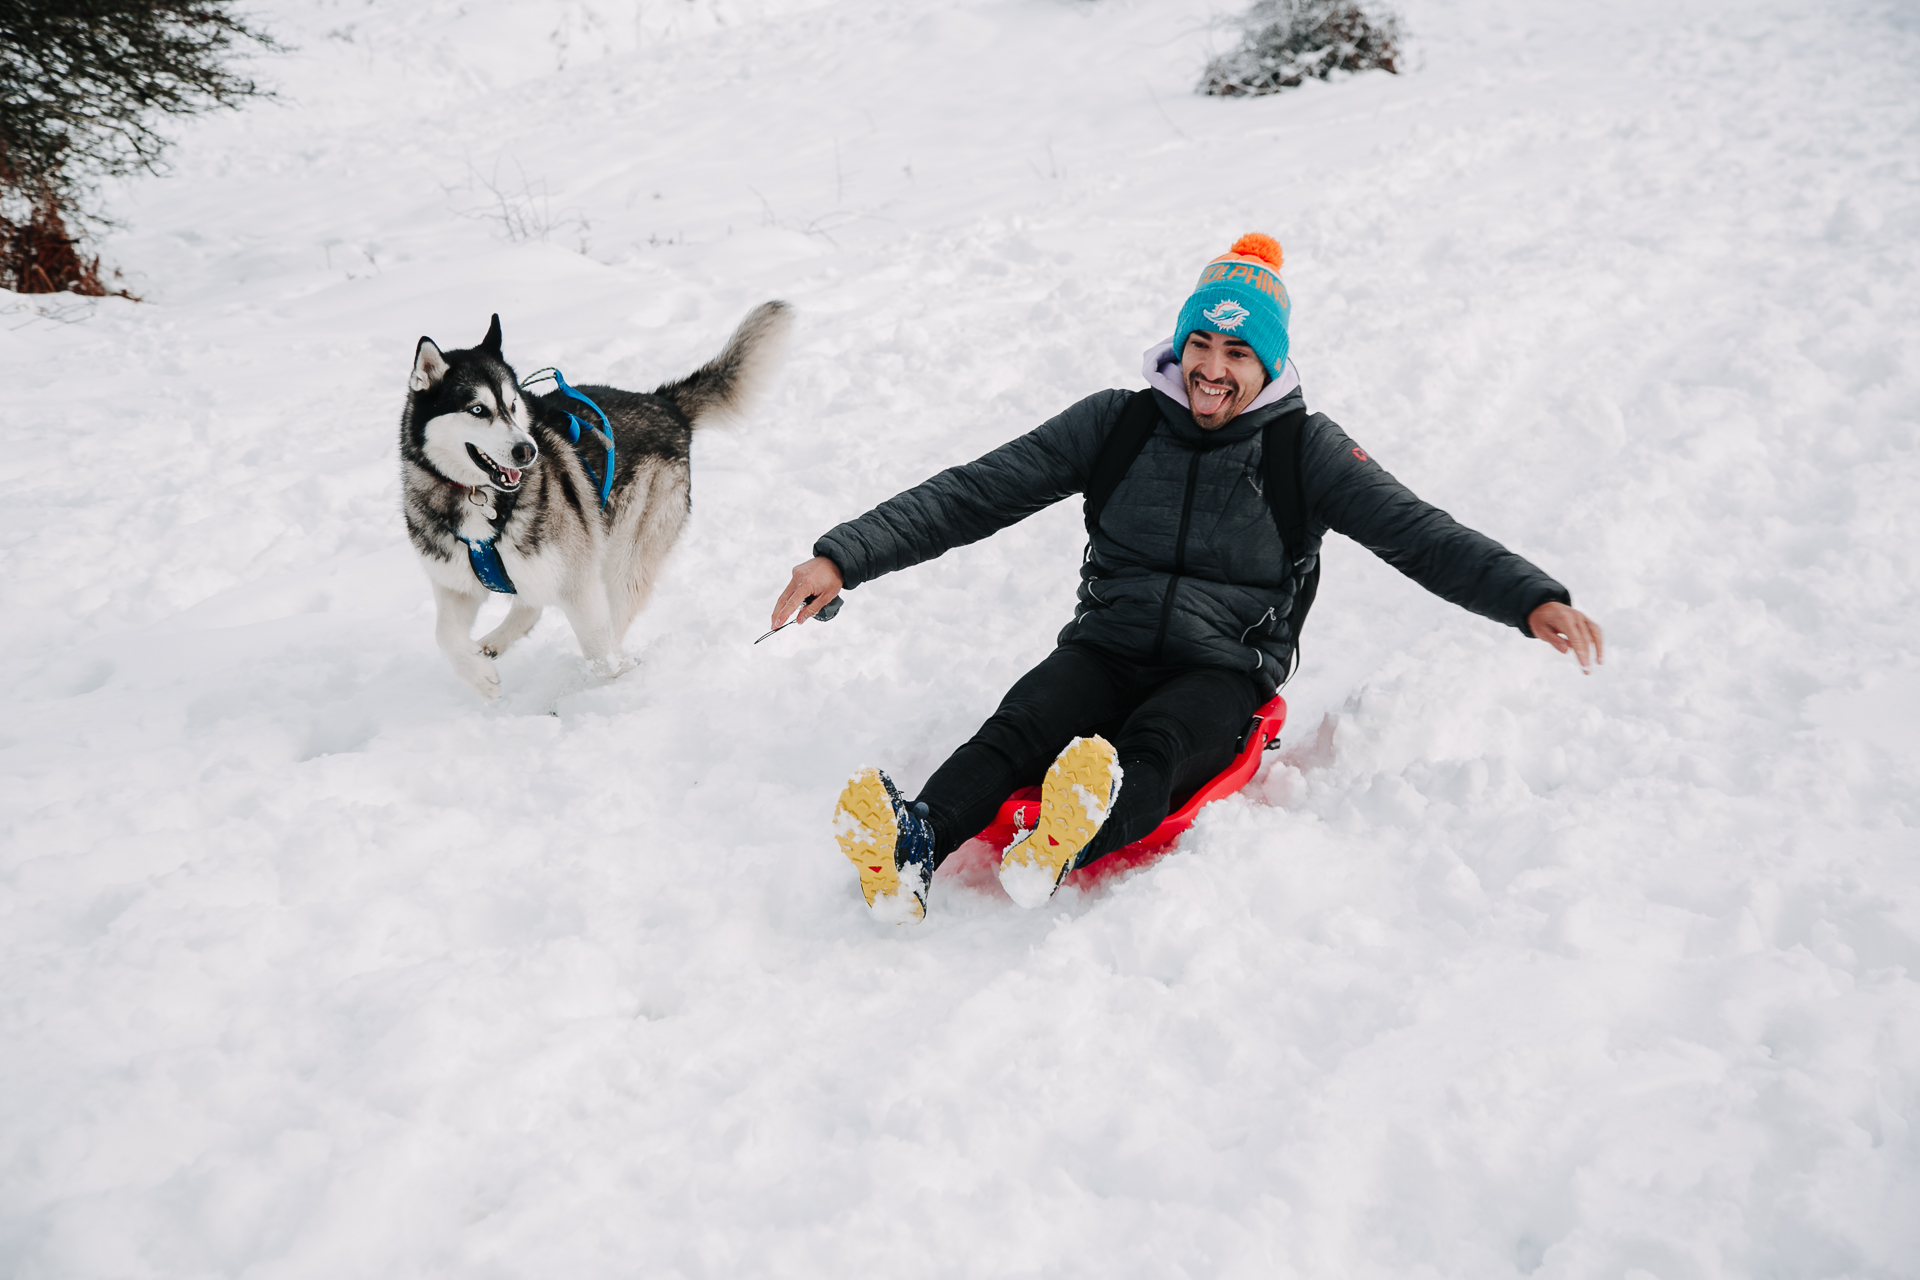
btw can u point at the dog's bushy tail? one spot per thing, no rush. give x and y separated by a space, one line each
726 385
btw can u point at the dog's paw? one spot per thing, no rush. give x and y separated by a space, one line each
477 669
612 666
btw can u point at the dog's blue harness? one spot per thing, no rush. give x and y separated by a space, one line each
482 554
575 427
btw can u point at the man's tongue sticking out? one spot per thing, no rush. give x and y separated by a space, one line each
1207 397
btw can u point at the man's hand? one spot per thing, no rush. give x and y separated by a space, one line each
819 578
1568 630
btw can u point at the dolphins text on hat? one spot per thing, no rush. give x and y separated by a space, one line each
1260 276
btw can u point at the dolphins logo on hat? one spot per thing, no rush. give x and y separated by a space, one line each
1227 315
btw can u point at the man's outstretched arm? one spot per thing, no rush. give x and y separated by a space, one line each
1350 492
960 505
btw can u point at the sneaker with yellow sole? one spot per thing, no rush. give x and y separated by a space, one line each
890 844
1075 798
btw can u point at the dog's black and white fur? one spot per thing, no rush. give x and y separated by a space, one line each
478 456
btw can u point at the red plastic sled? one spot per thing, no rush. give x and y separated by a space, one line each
1022 808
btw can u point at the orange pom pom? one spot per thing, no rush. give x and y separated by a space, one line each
1265 248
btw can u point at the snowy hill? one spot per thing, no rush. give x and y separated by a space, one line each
313 966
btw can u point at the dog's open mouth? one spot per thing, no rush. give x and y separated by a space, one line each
505 479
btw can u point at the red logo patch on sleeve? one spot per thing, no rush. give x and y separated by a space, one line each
1359 453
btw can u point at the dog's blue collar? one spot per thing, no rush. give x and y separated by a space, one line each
485 559
482 554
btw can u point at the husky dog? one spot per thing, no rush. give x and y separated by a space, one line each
497 497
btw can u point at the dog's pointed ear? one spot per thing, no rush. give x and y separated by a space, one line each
491 343
429 366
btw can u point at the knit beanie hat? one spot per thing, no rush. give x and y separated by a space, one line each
1240 295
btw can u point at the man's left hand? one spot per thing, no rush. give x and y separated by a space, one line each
1570 631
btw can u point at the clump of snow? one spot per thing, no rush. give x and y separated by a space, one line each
902 907
312 966
1028 883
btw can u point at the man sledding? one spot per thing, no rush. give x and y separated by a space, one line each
1196 575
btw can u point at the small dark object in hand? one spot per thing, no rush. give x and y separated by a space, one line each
826 614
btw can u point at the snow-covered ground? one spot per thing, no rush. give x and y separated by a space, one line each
313 966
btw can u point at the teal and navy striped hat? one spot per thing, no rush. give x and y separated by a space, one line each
1240 295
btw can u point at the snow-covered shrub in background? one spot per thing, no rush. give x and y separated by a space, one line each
1284 42
86 85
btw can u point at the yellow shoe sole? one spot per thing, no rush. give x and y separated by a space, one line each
864 824
1075 798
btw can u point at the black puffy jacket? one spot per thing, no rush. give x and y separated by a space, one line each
1186 567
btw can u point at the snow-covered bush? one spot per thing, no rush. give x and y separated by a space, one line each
1284 42
84 88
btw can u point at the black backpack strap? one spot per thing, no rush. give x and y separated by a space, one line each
1280 452
1129 436
1282 448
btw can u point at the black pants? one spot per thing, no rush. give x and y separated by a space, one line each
1174 728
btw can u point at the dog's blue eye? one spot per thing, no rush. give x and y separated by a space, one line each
477 410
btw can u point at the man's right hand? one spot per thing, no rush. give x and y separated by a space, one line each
818 578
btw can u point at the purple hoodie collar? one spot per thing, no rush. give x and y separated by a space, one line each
1162 368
